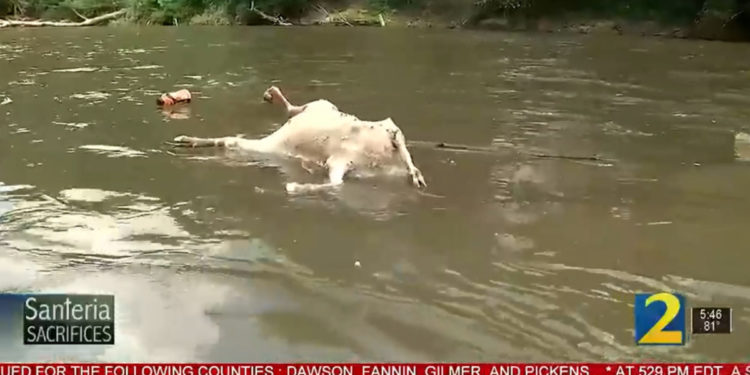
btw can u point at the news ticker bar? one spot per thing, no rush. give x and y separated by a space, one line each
378 369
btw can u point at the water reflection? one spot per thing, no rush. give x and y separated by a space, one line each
176 112
742 146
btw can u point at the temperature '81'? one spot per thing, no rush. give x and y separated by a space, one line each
712 320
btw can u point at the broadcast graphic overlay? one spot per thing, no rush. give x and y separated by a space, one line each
58 319
661 319
375 369
712 320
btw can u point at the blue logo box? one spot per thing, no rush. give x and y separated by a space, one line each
660 319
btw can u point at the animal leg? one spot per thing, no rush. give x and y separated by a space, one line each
399 142
258 145
309 166
274 95
337 168
187 141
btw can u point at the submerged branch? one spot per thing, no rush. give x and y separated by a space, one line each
85 22
492 150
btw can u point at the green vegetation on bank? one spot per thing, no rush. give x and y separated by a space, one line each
699 17
713 19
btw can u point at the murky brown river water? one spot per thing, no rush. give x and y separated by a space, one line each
507 257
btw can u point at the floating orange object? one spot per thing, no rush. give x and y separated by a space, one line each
171 98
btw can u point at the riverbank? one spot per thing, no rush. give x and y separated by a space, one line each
704 19
711 30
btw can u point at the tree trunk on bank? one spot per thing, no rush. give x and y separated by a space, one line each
85 22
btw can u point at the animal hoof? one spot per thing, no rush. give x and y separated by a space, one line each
184 141
417 179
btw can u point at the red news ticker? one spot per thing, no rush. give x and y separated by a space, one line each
376 369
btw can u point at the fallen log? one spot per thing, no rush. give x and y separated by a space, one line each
330 19
84 22
274 20
348 17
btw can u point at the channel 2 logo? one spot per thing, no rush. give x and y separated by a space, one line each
660 319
